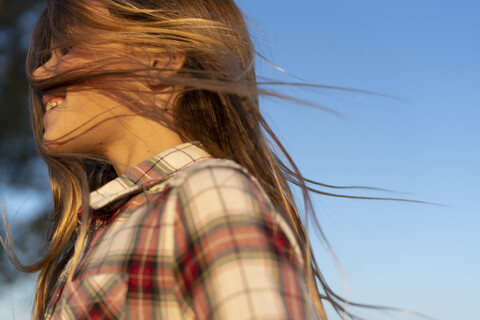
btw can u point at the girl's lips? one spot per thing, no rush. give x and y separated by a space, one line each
52 104
51 101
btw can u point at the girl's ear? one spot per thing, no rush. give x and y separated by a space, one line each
164 65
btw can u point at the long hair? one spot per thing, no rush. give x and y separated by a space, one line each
218 106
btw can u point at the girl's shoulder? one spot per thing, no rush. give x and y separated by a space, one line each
220 180
219 194
210 171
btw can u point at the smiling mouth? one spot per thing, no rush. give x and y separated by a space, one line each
51 102
51 105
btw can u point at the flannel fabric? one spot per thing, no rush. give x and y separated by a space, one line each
184 236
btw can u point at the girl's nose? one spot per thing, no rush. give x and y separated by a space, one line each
49 68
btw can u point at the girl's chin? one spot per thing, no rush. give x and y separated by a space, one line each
69 146
52 146
56 146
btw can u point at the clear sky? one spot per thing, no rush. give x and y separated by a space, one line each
424 144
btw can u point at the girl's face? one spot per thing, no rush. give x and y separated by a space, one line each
123 108
85 117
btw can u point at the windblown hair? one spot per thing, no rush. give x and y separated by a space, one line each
218 106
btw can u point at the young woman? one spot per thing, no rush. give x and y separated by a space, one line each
170 202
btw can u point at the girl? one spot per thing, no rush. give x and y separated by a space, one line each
170 202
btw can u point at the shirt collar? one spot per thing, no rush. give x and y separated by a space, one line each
148 173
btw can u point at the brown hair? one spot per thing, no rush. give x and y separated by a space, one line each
220 88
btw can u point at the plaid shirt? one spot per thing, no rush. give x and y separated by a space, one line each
184 236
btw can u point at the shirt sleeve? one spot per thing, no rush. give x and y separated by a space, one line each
234 260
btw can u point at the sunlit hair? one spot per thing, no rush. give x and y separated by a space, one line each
218 106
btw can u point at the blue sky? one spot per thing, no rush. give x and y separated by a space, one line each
424 144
